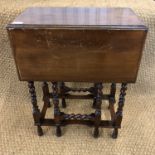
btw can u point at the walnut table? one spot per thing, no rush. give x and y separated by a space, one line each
96 45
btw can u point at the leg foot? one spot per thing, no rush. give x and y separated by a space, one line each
39 130
58 131
115 133
96 132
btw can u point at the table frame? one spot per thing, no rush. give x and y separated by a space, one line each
62 119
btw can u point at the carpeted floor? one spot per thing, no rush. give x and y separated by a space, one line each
17 133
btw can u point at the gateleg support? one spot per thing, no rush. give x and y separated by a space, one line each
36 111
119 114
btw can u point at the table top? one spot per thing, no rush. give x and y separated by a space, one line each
71 17
77 44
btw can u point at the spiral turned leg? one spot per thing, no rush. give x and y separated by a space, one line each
57 113
119 113
46 98
97 121
94 93
112 95
36 111
62 89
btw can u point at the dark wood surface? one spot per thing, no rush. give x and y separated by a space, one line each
110 52
78 55
77 17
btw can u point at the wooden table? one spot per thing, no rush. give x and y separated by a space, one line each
98 45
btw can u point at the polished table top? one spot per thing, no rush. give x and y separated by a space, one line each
77 17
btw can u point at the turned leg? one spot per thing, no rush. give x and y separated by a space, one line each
62 91
36 111
97 120
46 99
46 94
94 93
112 101
57 113
112 95
119 113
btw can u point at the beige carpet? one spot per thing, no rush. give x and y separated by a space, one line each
17 133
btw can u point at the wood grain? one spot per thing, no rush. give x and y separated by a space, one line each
107 48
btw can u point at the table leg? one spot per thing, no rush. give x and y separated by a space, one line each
62 91
45 89
36 111
94 93
112 101
112 95
97 120
57 113
119 113
46 99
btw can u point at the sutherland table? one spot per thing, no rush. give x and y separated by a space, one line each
96 45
